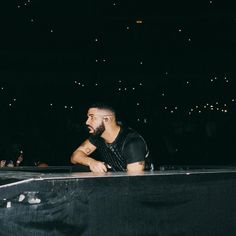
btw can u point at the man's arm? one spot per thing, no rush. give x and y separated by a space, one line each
135 151
136 167
81 156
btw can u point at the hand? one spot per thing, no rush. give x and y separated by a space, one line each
2 163
19 160
97 166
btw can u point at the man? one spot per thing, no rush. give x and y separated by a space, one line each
121 148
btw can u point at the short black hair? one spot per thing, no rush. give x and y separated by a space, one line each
103 106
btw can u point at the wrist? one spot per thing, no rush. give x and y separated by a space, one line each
90 161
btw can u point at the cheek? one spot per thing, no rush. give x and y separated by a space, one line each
93 124
97 124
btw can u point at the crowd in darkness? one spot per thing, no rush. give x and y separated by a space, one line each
44 137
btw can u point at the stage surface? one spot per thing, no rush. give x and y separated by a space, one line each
57 201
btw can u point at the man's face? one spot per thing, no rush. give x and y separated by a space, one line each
95 121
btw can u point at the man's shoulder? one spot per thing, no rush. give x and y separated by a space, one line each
132 132
95 140
132 135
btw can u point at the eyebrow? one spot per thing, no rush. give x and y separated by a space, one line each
100 115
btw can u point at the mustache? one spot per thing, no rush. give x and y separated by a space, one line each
89 127
86 127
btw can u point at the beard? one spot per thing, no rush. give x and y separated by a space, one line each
99 130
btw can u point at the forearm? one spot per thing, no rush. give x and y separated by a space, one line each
79 157
136 167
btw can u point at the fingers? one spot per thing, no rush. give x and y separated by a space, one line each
98 167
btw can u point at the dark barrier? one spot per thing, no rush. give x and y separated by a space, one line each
159 203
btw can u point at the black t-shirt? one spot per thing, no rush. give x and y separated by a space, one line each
128 147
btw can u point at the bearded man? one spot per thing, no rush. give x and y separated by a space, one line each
121 148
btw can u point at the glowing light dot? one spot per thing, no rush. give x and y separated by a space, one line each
96 40
189 40
176 108
212 80
51 31
96 84
137 103
180 30
119 89
96 60
187 82
171 111
133 88
71 107
226 81
18 6
31 20
165 108
114 4
104 60
139 21
10 104
14 99
233 100
127 27
140 62
51 104
65 107
163 94
140 84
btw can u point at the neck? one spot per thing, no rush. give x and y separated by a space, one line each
111 133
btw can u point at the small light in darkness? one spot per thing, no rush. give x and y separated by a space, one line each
139 21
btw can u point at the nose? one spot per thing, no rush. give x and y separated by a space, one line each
87 121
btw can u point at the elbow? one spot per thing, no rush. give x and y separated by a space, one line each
72 159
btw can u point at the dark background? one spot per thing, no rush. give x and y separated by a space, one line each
168 66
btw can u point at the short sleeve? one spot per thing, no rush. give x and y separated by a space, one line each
94 140
135 149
